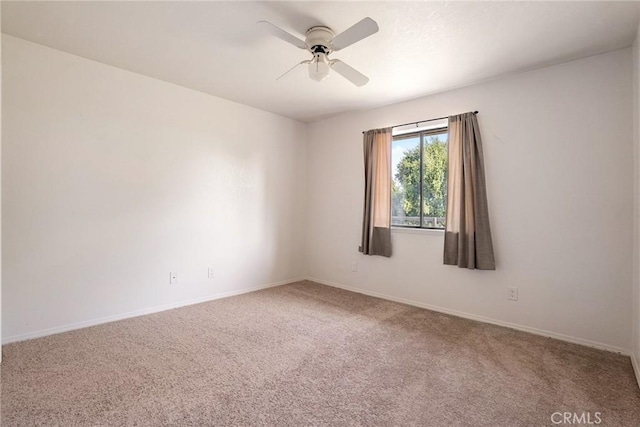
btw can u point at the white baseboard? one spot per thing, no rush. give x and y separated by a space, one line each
483 319
142 312
636 367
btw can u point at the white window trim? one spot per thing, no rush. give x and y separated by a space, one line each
416 230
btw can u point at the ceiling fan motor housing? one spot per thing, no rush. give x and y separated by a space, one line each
319 39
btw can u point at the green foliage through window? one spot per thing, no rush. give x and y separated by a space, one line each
408 204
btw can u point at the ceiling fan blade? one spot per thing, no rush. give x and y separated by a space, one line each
291 69
282 34
349 73
355 33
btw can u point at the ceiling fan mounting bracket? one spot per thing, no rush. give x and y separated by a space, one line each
320 49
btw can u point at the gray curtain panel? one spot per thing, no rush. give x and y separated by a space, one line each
467 237
376 221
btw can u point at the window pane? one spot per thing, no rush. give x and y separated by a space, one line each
405 186
434 187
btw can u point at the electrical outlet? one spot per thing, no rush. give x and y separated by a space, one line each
173 278
512 293
354 266
211 273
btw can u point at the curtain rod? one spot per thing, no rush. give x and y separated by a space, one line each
422 121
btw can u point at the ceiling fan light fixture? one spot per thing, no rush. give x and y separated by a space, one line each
319 67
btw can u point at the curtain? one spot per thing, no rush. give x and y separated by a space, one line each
467 238
376 221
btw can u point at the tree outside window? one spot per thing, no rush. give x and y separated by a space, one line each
419 179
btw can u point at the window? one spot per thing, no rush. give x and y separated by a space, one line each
419 179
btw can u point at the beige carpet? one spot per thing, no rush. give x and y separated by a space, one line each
306 354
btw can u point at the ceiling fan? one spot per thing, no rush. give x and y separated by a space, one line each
320 41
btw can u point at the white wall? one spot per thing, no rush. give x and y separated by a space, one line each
558 150
636 208
111 180
0 186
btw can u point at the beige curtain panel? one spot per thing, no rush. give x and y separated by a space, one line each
376 222
467 237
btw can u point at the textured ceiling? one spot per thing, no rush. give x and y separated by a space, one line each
421 48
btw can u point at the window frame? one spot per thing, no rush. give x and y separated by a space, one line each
422 133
